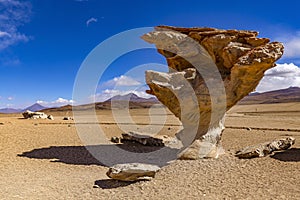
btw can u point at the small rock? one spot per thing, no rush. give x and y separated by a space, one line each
96 186
132 171
1 123
169 128
67 118
115 139
50 117
248 129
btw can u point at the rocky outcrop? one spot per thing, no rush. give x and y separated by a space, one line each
132 171
36 115
265 149
142 139
210 70
68 118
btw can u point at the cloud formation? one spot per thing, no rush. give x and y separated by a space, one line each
56 103
13 15
92 19
280 77
291 45
121 81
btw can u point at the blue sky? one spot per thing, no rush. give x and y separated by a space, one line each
44 42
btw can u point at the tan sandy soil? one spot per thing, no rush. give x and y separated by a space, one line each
42 159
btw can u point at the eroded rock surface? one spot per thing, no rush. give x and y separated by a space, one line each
36 115
142 139
265 149
210 70
132 171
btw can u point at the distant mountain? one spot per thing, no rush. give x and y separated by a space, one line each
35 107
10 110
119 101
291 94
132 98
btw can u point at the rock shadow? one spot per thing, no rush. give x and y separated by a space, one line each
75 155
105 155
110 183
290 155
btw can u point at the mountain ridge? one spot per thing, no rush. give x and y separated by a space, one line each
291 94
133 101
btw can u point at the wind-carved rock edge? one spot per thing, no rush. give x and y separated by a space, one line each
210 70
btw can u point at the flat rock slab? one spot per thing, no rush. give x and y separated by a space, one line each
132 171
142 139
261 150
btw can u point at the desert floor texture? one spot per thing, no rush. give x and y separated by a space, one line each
43 159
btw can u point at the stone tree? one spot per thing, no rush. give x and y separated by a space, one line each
210 70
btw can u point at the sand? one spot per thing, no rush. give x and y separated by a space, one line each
43 159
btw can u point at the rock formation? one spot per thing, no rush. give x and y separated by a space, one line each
132 171
266 148
210 70
36 115
142 139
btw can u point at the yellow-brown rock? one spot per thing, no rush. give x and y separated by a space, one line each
210 70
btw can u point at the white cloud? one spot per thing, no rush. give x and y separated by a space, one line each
120 81
4 34
280 77
120 85
92 19
10 98
56 103
292 45
13 15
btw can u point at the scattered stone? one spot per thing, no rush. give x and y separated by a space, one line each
36 115
115 139
264 149
68 118
132 171
142 139
237 58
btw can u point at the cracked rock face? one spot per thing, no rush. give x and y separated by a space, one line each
210 70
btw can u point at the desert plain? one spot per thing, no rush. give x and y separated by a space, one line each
44 159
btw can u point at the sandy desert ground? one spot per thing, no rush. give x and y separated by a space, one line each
43 159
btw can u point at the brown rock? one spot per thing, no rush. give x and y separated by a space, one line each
264 149
210 70
132 171
142 139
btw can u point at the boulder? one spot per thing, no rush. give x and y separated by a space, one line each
132 171
210 70
264 149
36 115
142 139
68 118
